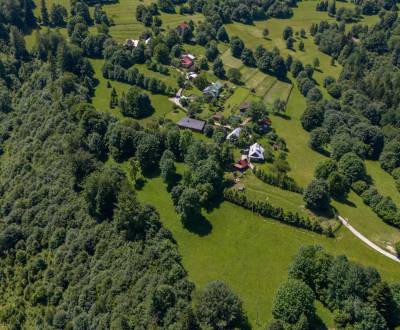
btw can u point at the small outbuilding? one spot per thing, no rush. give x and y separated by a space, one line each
242 165
182 27
256 153
244 106
234 134
192 124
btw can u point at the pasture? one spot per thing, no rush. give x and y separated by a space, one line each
251 253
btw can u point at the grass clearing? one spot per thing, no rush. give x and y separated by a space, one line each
230 61
280 90
263 88
163 107
252 254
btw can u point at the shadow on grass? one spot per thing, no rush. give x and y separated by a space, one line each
282 115
198 225
215 203
344 200
329 213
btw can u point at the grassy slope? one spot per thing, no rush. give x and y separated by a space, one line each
249 253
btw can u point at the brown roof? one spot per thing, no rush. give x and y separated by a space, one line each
242 164
183 26
244 106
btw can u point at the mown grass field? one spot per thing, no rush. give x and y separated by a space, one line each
251 253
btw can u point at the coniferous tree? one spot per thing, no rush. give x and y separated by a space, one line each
44 14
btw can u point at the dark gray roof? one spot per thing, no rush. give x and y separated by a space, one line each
192 123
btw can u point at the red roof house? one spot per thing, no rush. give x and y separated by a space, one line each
186 61
182 27
242 165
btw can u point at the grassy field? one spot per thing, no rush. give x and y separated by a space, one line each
251 253
304 15
163 107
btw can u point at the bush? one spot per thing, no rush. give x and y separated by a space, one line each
283 182
359 187
316 195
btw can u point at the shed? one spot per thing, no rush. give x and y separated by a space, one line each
242 165
244 106
192 124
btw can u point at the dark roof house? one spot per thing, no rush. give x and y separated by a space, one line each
244 106
193 124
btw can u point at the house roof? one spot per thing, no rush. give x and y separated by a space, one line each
256 151
192 123
186 60
183 26
131 42
242 164
235 133
245 106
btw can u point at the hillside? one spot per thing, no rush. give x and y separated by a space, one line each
181 164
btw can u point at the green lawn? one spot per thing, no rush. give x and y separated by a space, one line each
163 107
279 90
250 253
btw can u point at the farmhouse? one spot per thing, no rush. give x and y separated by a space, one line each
182 27
131 43
234 134
213 90
256 153
187 61
192 124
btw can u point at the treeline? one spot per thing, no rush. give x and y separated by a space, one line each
361 117
227 11
284 182
357 296
265 209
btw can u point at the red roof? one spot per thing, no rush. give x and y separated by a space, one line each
242 164
186 61
183 26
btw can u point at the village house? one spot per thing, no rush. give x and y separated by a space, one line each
187 61
213 91
234 134
182 27
242 165
192 124
244 106
256 153
133 43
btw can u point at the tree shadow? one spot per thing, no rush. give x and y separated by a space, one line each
175 180
329 213
214 203
282 115
344 200
317 323
198 225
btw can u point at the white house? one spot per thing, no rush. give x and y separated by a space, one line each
234 134
131 43
256 152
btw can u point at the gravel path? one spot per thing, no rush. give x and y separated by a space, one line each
366 240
